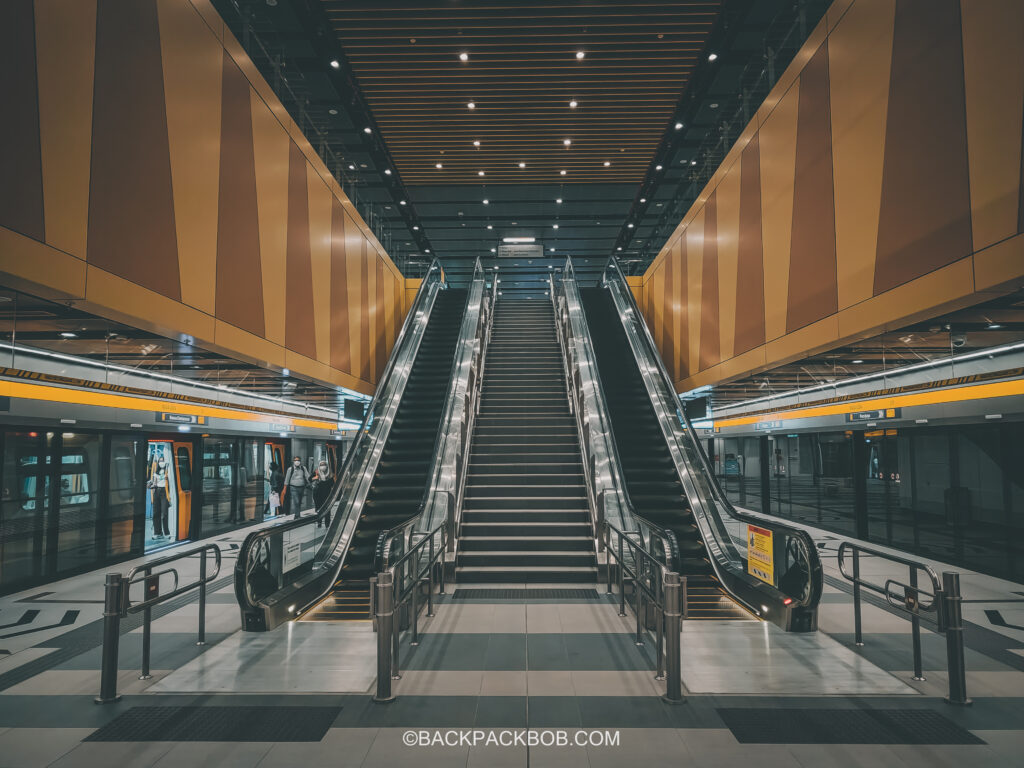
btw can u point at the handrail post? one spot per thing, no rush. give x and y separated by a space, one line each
111 636
858 635
415 609
396 631
637 576
607 560
954 640
149 585
673 645
430 580
915 629
622 579
385 615
202 598
661 632
685 589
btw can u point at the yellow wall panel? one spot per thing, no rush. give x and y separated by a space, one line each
371 308
64 68
193 63
1000 266
694 272
233 340
270 145
35 267
353 260
728 200
993 38
320 258
860 54
777 139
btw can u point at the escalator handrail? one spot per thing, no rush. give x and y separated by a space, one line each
468 333
603 417
801 536
257 538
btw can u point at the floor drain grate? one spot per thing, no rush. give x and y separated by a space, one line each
525 594
843 726
219 724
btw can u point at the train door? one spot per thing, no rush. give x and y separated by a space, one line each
273 453
168 492
183 477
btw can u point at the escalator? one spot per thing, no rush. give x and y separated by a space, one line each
670 484
298 568
401 477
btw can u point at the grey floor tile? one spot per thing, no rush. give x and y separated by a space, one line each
31 747
122 754
205 754
340 748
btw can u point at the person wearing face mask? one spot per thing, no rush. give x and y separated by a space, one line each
322 483
160 490
296 480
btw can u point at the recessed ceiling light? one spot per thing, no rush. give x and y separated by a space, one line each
567 142
712 56
401 202
471 105
522 165
69 335
619 248
713 105
606 163
559 201
387 171
580 54
415 227
367 129
551 249
554 226
494 250
630 225
518 240
463 57
486 201
476 143
693 162
643 199
573 104
857 361
679 126
561 173
335 64
438 166
479 173
332 111
994 326
490 226
426 250
351 167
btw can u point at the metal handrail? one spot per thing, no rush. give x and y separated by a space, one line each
334 545
724 556
599 426
665 593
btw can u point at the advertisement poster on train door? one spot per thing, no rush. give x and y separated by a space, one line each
760 555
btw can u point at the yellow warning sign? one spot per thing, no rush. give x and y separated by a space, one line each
760 555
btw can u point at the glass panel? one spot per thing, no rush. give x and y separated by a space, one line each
219 464
835 467
78 500
23 507
183 456
161 495
123 494
980 517
252 496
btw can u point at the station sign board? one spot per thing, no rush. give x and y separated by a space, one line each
877 415
179 418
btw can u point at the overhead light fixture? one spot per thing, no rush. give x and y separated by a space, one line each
351 166
367 129
855 362
522 165
493 250
657 167
438 166
630 225
332 111
619 248
518 240
490 226
471 105
573 104
606 163
580 54
463 57
401 202
679 126
486 201
693 162
561 173
559 201
415 227
426 250
994 326
479 173
335 64
476 143
551 249
554 226
387 171
69 335
712 56
643 199
567 142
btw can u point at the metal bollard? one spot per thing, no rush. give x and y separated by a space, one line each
111 637
858 635
673 645
385 616
430 581
954 640
915 630
151 585
202 599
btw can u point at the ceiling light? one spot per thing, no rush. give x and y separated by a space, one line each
657 167
463 57
522 165
415 227
351 167
69 335
518 240
573 104
630 225
387 171
619 248
426 250
476 143
493 250
401 202
438 166
367 129
693 162
561 173
554 226
332 111
486 201
559 201
712 56
713 105
567 142
580 54
606 163
857 361
479 173
335 64
471 105
679 126
551 249
643 199
490 226
994 326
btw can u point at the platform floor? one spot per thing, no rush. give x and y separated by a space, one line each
299 696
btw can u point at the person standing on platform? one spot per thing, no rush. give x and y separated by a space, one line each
276 481
322 484
296 481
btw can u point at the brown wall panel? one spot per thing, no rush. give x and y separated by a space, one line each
239 273
366 357
710 338
381 322
694 250
320 257
668 323
680 329
355 307
64 64
299 329
925 209
341 346
727 204
131 205
21 171
813 293
750 267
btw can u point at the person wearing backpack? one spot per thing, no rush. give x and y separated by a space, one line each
296 481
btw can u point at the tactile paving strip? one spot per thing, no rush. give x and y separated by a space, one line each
219 724
525 594
843 726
